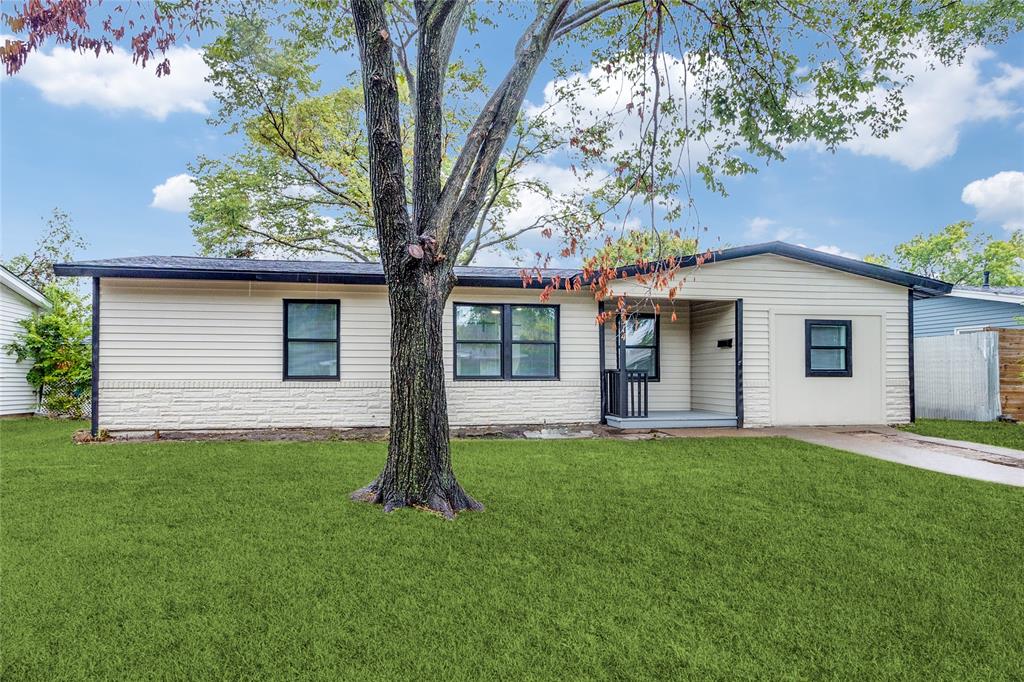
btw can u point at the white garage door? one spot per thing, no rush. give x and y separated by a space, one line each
825 400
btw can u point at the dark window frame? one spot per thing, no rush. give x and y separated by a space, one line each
656 377
285 376
847 348
506 342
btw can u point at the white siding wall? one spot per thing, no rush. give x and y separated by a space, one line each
713 369
208 355
771 285
196 355
16 396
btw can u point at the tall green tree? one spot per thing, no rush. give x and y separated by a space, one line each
59 243
958 255
700 90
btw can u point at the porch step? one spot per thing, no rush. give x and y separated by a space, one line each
673 419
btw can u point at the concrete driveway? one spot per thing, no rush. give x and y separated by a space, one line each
959 458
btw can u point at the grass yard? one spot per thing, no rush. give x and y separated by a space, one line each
993 433
716 558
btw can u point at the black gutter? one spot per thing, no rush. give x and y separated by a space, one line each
910 344
95 408
739 362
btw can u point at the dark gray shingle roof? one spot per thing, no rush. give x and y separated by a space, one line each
331 272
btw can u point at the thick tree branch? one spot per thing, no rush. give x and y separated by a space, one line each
439 22
589 13
465 190
384 134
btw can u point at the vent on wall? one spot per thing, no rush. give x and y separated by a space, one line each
725 343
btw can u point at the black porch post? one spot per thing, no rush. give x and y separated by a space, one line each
738 350
620 345
600 352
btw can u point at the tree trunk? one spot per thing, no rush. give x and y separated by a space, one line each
418 472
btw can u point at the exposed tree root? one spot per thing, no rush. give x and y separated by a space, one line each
446 503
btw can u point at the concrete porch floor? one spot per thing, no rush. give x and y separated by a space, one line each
958 458
673 419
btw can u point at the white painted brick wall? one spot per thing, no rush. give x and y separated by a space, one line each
225 404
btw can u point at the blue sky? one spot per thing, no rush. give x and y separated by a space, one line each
98 137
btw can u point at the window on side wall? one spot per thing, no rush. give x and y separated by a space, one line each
506 341
828 348
311 331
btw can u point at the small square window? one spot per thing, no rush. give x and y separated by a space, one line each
828 348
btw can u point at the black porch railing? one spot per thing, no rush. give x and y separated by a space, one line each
633 402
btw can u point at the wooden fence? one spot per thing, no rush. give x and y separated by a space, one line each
1011 372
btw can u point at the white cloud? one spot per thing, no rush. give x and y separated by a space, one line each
111 82
173 194
940 103
835 251
999 198
760 229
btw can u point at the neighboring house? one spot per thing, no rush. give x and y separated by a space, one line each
766 334
18 300
970 309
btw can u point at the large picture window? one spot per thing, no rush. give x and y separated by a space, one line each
506 341
641 338
311 340
828 348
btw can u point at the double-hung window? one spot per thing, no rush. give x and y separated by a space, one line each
641 339
506 341
828 348
311 339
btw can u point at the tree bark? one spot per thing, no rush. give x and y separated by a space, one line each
418 472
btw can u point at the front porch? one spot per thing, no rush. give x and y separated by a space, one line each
658 374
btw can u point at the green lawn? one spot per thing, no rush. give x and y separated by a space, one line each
992 433
715 558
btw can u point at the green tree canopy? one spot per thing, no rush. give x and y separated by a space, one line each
957 255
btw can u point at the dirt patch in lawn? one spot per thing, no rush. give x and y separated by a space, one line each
368 434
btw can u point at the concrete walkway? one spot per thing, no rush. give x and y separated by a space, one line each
959 458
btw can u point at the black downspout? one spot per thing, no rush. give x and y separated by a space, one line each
95 357
910 349
739 363
601 351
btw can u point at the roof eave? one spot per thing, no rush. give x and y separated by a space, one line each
988 296
24 289
88 270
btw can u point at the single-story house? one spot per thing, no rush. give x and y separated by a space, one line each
769 334
18 301
970 309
